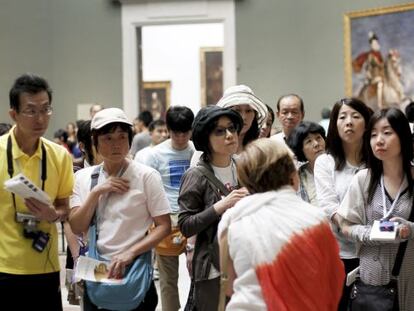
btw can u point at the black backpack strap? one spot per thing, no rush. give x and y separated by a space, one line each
212 178
401 249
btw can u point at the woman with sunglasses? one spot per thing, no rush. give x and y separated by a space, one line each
207 191
253 111
334 170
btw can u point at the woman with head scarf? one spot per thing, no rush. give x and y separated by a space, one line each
281 252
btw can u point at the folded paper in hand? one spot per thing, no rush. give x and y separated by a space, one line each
25 188
90 269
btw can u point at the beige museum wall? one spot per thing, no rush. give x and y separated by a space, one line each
282 46
75 44
295 46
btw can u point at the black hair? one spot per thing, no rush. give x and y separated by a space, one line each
146 117
155 124
28 83
84 136
179 119
5 128
110 128
252 133
334 142
302 106
373 37
271 112
409 112
208 129
299 134
399 124
61 134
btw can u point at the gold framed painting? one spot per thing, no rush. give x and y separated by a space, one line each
156 98
379 49
211 71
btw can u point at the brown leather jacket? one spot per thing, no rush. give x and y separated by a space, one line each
198 217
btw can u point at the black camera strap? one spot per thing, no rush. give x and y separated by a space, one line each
10 167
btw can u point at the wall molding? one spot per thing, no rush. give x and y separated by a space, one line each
138 13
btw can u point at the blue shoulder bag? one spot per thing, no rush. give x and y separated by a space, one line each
135 284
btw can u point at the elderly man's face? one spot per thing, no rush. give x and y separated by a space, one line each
289 113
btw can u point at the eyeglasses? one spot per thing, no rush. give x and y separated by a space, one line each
221 131
31 113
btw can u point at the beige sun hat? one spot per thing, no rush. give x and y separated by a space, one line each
243 95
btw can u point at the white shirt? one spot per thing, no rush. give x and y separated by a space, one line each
280 137
331 186
123 219
143 155
261 230
227 175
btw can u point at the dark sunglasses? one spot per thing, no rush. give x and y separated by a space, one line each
221 131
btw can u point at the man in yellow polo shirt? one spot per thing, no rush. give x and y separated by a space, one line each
29 261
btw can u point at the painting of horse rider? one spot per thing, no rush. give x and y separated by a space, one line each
379 49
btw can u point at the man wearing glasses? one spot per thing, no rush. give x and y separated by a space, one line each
29 262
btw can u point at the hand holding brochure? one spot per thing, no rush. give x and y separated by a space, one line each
25 188
90 269
383 231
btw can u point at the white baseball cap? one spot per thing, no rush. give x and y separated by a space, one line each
107 116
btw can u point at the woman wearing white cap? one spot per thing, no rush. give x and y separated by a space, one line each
121 207
253 111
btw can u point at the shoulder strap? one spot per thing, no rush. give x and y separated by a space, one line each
401 249
212 178
224 277
94 182
95 176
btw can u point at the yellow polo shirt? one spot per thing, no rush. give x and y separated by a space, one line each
16 253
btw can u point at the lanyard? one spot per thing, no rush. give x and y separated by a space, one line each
10 168
384 203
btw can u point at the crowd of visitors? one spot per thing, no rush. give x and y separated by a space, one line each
304 219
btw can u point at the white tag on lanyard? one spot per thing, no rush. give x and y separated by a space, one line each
386 213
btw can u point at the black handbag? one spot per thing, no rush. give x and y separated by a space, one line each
365 297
